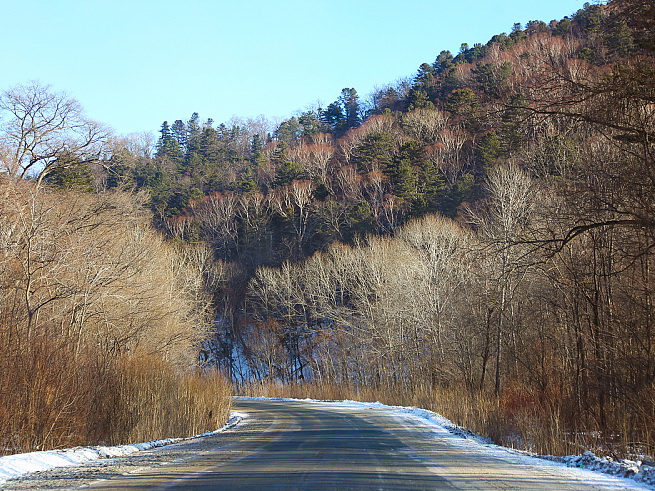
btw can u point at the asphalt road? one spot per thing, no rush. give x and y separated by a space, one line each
298 445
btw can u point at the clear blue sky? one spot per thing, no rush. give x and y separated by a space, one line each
134 63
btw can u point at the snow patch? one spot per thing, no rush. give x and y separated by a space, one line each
13 466
639 471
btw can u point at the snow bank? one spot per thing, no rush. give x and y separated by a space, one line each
12 466
632 469
628 469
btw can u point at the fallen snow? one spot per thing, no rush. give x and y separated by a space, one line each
12 466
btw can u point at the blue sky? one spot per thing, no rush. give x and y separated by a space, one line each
134 63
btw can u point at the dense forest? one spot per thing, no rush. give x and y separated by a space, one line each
481 233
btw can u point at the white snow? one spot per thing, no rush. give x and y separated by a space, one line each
12 466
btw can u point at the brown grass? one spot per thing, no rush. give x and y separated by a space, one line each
155 401
52 397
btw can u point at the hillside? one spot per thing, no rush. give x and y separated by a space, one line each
478 238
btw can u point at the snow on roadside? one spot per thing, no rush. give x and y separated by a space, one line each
640 475
13 466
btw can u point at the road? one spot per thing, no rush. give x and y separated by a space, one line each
311 445
320 446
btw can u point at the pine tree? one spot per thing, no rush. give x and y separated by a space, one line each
563 27
256 150
311 124
194 158
422 88
349 101
287 169
443 62
70 173
333 117
288 131
179 132
376 152
489 149
168 146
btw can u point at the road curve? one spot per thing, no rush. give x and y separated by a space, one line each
310 445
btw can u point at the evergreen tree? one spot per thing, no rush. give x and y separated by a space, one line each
422 87
154 177
289 131
247 182
589 17
70 173
287 169
344 113
491 79
500 39
415 179
619 38
563 27
168 146
360 221
333 117
535 27
194 158
256 150
462 102
517 34
514 121
375 152
463 190
311 123
210 147
444 62
489 149
179 132
349 102
430 186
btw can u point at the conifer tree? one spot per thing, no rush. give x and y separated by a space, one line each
168 146
349 101
333 117
422 88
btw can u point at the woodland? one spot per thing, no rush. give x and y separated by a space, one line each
476 239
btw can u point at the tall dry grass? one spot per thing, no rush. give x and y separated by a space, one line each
156 401
52 398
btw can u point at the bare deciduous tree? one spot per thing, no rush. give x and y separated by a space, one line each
503 225
43 129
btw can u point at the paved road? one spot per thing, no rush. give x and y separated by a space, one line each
296 445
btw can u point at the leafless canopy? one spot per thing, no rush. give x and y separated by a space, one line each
42 130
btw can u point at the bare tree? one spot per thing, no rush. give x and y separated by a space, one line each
425 124
43 130
294 203
217 216
503 225
442 246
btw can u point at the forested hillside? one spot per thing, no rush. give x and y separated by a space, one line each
481 233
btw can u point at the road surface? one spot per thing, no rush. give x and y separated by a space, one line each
312 445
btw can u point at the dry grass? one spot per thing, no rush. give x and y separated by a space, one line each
52 397
47 396
155 401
